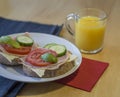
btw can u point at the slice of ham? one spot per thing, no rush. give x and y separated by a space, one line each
61 60
13 59
64 64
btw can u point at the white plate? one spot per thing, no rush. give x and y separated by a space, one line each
16 73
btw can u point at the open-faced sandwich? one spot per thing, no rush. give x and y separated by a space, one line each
50 61
13 48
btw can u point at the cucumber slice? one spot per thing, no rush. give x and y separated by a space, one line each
25 40
59 49
47 46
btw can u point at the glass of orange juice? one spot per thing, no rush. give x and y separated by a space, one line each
89 31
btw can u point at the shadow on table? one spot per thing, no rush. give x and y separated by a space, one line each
42 88
39 88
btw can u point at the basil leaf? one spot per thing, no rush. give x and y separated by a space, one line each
10 41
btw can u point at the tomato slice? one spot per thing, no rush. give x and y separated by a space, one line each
21 51
34 57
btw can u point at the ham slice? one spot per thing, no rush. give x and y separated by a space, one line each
64 64
13 59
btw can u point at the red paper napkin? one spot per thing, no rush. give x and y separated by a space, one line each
86 76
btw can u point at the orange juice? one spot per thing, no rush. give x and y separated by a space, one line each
89 34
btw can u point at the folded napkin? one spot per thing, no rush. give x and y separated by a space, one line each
8 26
10 88
86 76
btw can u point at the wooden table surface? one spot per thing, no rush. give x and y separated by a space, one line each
54 12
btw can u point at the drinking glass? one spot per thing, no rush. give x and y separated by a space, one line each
90 25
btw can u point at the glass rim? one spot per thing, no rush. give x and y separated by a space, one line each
95 9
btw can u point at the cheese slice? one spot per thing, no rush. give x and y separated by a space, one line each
72 58
39 72
9 57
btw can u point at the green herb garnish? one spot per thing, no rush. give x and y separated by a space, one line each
10 41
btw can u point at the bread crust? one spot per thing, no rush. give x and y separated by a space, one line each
50 73
5 61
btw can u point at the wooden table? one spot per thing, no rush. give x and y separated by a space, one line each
54 12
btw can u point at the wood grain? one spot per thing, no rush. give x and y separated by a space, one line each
54 12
